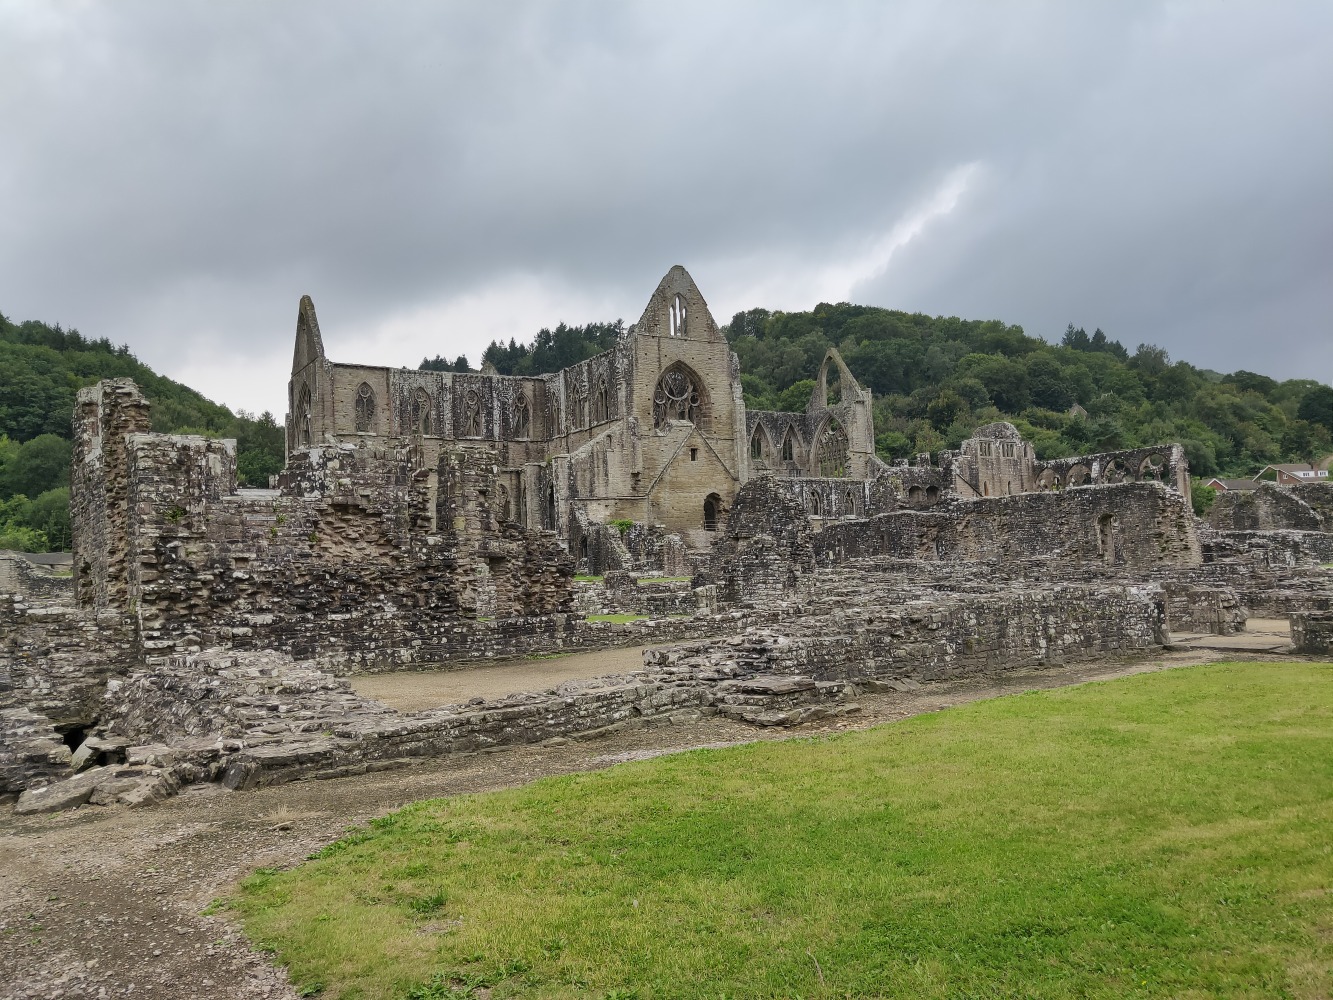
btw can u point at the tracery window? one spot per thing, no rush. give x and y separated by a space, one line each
304 430
677 317
422 409
789 447
675 398
601 401
365 408
580 406
471 414
833 451
521 416
757 445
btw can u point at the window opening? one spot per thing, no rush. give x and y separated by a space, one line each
833 451
676 398
471 414
421 413
677 317
521 416
365 408
788 447
304 432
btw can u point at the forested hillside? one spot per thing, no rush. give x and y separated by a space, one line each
935 379
42 367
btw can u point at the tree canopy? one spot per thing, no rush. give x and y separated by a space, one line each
42 368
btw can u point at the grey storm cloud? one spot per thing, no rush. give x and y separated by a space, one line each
175 175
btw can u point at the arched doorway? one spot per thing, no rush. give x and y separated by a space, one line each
712 506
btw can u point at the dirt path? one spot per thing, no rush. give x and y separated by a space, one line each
106 902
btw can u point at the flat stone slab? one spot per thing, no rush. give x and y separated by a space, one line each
775 684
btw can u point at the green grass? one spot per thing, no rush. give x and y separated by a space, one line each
585 578
1165 835
617 619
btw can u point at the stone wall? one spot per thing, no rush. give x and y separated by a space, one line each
765 554
56 660
1312 632
1270 508
1280 547
105 415
1133 524
20 575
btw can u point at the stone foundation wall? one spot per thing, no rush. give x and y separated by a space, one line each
1312 632
953 636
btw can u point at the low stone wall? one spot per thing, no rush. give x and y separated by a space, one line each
1201 608
947 637
1312 632
19 575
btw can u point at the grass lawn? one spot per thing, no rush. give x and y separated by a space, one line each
1165 835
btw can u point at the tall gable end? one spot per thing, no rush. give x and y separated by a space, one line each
677 310
309 344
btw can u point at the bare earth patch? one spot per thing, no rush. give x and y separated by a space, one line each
105 902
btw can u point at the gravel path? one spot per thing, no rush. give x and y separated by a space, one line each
106 902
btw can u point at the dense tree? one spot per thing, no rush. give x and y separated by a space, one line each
42 368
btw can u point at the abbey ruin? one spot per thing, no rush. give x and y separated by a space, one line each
426 520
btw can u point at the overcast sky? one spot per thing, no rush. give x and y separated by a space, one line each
175 175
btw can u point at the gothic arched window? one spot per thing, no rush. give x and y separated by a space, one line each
757 444
676 397
677 317
422 411
789 446
833 451
601 401
365 408
521 417
471 414
304 419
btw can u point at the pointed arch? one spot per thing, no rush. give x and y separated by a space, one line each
761 445
304 418
601 401
421 413
680 394
848 387
520 416
832 450
365 408
789 444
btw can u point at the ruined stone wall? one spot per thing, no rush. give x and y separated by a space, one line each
950 636
56 659
1133 524
1278 547
1158 463
1272 508
19 575
765 554
361 560
105 414
1312 632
